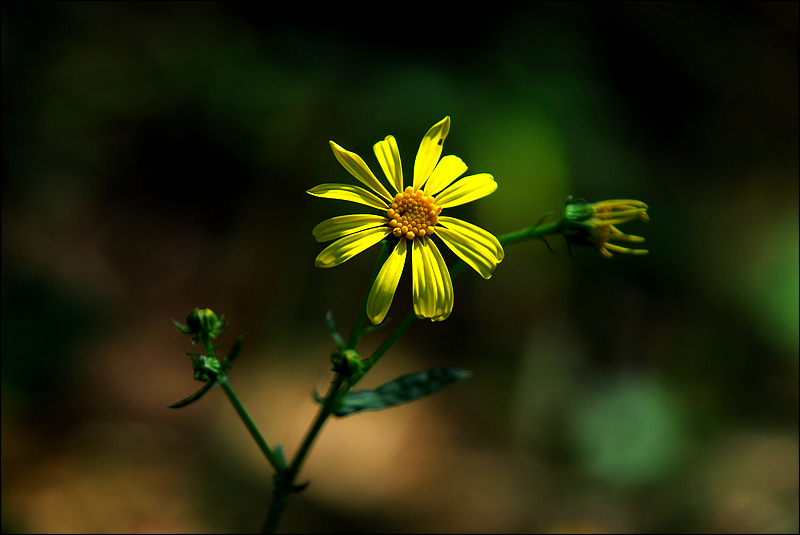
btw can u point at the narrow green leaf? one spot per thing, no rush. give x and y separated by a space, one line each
194 397
332 330
404 389
234 352
183 329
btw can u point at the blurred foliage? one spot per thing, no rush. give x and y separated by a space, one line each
155 159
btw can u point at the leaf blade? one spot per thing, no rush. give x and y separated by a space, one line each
404 389
194 397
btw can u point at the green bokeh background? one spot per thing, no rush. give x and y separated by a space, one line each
156 157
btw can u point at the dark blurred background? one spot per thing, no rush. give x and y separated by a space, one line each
156 157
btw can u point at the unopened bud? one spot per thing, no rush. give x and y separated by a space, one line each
204 321
347 362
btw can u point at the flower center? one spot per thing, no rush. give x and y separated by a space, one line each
413 214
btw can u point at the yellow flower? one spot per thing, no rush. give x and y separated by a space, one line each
413 216
595 224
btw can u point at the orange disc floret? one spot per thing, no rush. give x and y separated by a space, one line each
413 214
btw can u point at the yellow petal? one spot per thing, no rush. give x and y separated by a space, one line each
346 248
621 237
346 192
423 286
474 254
622 215
434 281
613 203
429 151
625 250
476 234
382 292
444 301
356 167
389 157
336 227
447 170
467 190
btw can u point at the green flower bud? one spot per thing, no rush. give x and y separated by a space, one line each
577 212
199 320
347 362
205 368
204 321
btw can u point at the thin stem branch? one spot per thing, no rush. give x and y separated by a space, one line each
358 327
530 233
222 380
249 424
407 322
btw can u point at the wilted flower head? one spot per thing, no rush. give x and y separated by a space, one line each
595 224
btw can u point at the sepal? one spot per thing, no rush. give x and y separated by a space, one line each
201 322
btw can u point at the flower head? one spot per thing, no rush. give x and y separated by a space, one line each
595 224
412 215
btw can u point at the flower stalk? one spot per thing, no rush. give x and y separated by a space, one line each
283 480
248 422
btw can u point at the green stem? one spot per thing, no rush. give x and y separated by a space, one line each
358 328
284 480
249 424
407 322
284 484
222 380
208 345
530 233
324 412
280 499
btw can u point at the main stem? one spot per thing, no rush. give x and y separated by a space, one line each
284 481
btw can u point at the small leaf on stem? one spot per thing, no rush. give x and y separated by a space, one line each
194 397
404 389
332 330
